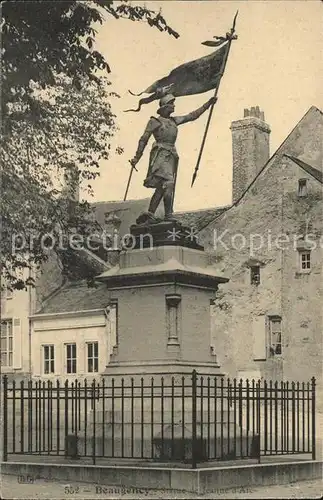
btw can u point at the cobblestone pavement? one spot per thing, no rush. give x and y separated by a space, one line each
40 489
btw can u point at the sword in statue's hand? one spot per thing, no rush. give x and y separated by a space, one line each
133 167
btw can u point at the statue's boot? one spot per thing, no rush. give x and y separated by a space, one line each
149 216
168 203
170 218
146 218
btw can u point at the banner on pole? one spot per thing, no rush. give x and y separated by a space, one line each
193 77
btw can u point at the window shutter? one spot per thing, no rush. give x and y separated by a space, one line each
259 338
17 347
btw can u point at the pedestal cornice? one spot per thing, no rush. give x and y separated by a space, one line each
171 271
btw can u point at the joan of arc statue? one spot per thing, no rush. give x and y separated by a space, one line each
163 159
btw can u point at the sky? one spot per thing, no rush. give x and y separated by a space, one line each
275 64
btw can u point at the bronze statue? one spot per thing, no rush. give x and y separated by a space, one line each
163 161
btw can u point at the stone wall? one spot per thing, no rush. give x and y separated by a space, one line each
230 240
302 292
270 209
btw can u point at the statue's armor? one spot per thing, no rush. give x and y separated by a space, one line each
163 160
167 130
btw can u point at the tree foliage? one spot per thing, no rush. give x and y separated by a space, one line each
57 118
42 39
61 139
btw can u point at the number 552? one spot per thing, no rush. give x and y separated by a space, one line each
70 490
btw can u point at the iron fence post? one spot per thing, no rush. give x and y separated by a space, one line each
293 417
5 418
194 451
152 416
259 419
66 410
22 415
313 420
94 425
183 420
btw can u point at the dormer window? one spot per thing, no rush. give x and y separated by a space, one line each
255 275
302 188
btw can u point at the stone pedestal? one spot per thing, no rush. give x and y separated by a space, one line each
162 287
165 233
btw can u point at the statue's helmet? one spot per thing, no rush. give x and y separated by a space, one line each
165 101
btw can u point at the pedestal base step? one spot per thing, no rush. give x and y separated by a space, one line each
167 449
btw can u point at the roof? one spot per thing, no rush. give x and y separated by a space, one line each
317 174
76 296
127 211
296 141
306 135
200 218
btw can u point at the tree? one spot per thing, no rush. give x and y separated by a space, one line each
65 134
57 118
42 39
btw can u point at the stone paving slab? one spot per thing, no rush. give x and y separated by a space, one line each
53 459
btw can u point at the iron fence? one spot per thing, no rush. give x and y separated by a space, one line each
189 419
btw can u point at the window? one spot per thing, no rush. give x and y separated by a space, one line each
93 357
71 358
302 187
49 361
255 275
6 343
305 260
275 332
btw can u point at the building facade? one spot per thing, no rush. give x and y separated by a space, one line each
267 320
74 333
15 333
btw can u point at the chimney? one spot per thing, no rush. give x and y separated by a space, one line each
250 148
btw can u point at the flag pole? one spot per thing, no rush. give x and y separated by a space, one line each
129 180
215 95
